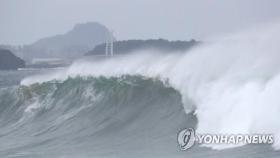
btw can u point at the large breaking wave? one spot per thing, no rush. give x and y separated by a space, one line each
231 83
91 117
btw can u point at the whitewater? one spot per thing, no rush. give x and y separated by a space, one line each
134 105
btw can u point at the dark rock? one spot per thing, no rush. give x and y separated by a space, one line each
8 61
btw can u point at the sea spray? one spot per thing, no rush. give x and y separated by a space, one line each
232 82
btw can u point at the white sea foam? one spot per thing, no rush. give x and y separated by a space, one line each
234 81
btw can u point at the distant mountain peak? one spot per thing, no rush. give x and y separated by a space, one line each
88 27
70 45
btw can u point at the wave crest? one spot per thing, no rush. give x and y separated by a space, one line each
232 83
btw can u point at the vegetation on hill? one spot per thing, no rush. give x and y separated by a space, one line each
123 47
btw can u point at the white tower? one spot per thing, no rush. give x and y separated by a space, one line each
112 43
109 46
106 48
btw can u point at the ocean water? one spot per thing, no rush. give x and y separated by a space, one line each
127 116
135 105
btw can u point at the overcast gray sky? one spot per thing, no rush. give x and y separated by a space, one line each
24 21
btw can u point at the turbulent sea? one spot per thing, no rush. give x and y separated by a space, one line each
134 106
